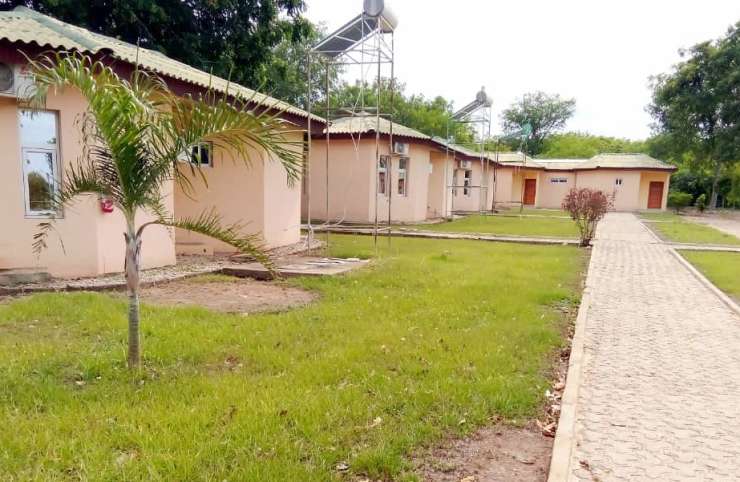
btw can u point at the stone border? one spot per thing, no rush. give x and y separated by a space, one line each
706 282
565 437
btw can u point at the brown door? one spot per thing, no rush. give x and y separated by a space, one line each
655 195
530 190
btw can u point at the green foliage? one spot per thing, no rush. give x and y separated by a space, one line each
697 108
701 203
574 145
679 200
233 39
430 116
383 363
545 113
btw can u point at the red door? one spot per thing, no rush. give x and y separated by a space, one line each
530 190
655 195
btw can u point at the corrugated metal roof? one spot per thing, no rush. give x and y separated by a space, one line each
366 123
28 26
628 161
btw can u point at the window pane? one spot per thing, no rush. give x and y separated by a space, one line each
38 128
39 169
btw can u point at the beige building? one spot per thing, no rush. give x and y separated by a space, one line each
413 180
636 181
38 148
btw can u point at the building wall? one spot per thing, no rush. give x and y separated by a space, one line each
626 195
256 195
645 179
504 186
550 195
439 197
86 241
472 202
352 183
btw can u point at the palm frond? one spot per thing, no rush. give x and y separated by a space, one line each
210 223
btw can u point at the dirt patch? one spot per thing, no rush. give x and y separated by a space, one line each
227 294
498 453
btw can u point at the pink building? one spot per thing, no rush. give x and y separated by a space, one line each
38 149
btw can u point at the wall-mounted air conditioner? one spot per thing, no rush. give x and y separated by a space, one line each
401 148
15 81
465 164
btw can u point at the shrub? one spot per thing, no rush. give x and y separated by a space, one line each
586 207
678 200
701 203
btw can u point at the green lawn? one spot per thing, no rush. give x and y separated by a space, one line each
434 338
722 269
507 225
534 212
674 228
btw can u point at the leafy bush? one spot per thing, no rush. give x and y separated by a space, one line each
701 203
679 200
586 207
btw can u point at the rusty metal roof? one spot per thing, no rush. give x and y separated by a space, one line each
28 26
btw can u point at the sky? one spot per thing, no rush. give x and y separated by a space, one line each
600 52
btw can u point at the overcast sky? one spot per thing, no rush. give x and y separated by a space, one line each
599 52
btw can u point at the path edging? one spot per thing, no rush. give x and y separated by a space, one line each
565 436
706 282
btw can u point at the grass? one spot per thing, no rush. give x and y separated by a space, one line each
508 225
674 228
535 212
721 268
433 338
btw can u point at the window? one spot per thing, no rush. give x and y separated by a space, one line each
201 153
467 182
558 180
39 144
454 182
618 181
383 175
403 167
304 173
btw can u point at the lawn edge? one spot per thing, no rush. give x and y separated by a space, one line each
565 442
724 297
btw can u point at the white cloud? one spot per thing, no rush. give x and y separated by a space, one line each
600 52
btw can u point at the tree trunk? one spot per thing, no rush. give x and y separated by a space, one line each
715 185
132 267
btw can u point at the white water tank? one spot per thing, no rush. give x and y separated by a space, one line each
377 8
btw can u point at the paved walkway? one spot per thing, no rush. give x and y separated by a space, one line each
659 397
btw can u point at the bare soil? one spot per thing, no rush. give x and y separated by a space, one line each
498 453
219 293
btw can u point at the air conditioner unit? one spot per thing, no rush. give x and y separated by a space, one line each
401 148
15 81
465 164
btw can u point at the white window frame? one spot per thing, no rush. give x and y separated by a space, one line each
618 181
199 146
467 182
558 180
56 174
383 168
403 175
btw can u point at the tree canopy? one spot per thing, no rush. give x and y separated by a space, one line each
543 113
697 105
573 145
432 116
233 39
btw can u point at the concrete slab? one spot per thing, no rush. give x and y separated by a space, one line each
297 266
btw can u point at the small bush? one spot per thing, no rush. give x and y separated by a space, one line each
701 203
586 207
678 200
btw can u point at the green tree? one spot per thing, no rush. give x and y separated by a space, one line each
543 113
583 145
285 75
231 38
432 116
697 106
135 133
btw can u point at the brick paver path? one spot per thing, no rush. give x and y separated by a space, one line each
660 388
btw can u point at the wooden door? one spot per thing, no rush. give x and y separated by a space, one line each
530 191
655 195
